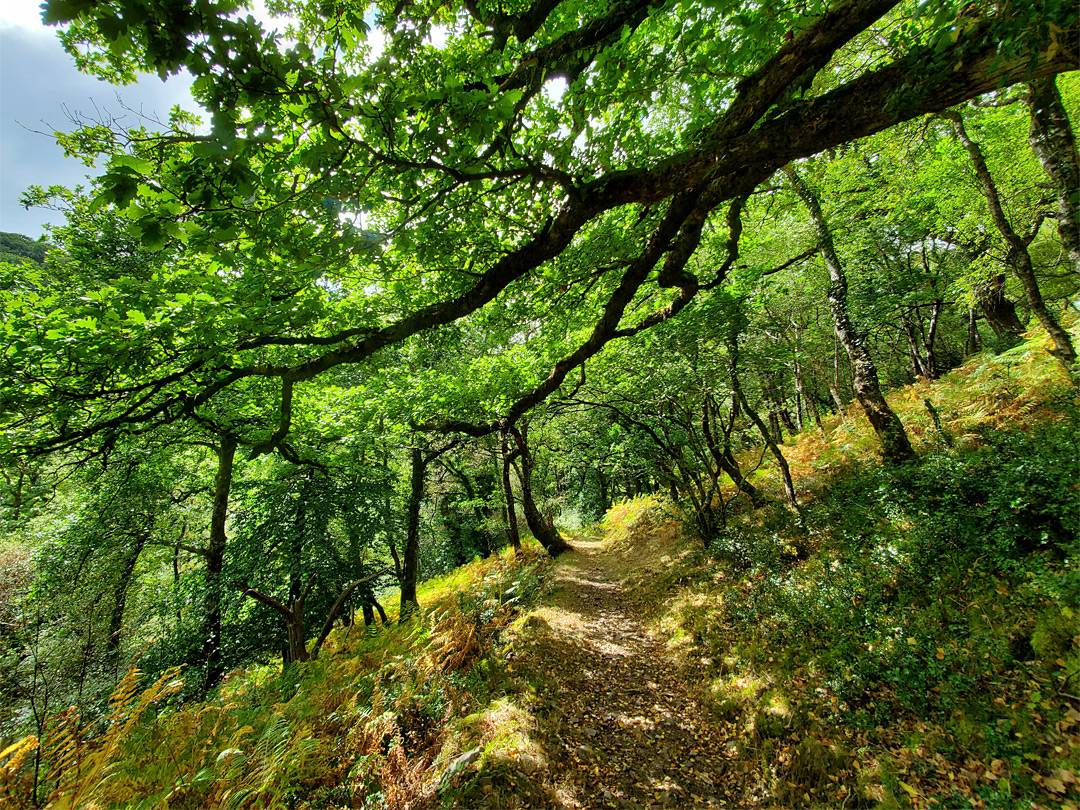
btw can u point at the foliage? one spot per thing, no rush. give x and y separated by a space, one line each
361 723
927 589
16 248
410 266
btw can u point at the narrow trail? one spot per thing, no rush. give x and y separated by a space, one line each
622 729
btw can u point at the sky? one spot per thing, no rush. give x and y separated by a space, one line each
39 86
40 90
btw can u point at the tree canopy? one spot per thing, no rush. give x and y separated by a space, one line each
366 174
415 276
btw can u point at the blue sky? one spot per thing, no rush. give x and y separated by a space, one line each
39 86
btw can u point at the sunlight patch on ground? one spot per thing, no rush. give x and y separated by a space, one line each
575 579
567 621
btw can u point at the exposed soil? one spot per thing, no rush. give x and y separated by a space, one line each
621 728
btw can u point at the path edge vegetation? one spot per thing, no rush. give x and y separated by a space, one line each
408 702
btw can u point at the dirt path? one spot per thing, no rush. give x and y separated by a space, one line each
622 729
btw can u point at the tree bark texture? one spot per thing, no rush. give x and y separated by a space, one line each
997 309
1054 143
1019 257
887 425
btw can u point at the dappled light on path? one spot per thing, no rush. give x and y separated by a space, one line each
621 728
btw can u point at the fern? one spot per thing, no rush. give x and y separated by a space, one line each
81 768
14 789
276 764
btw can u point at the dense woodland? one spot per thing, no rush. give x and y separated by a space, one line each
422 290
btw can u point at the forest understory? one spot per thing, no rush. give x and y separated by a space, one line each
548 403
877 653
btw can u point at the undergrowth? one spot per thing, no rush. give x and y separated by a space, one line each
362 726
915 643
919 645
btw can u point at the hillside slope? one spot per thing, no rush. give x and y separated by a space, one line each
914 643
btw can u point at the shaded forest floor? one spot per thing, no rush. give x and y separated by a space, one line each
623 727
917 645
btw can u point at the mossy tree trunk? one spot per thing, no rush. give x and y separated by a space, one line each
895 445
1019 258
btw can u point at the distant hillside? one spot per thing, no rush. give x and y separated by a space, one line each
15 248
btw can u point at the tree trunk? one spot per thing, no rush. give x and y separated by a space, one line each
1054 143
774 426
1019 257
777 454
296 548
215 563
831 384
513 536
890 430
778 412
16 487
478 513
999 311
411 562
930 360
388 514
740 398
296 581
116 618
701 499
369 604
913 344
382 613
176 583
335 611
785 417
294 628
725 459
806 399
971 342
295 651
293 614
542 528
837 376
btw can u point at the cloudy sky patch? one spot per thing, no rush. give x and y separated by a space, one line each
40 89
